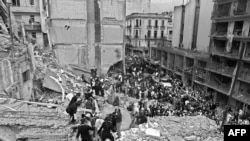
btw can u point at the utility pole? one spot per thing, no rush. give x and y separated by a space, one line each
124 44
124 36
235 77
10 28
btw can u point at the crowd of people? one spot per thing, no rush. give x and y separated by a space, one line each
158 94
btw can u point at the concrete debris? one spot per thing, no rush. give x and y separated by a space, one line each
195 128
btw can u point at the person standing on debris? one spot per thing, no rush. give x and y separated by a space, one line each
84 131
72 109
118 116
105 130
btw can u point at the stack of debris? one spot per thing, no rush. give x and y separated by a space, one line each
198 128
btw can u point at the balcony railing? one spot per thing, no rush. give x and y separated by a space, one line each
219 68
245 75
156 27
137 26
33 27
163 27
149 27
222 87
233 54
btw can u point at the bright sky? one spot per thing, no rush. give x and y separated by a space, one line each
164 5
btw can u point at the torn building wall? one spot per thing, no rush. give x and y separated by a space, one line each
138 6
68 31
110 55
177 25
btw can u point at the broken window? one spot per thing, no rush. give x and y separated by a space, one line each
239 7
16 2
238 26
26 76
221 28
219 46
223 10
219 81
247 53
245 71
235 48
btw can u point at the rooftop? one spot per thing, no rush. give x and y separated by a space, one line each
165 15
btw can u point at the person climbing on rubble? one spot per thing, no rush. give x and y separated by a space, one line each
72 109
84 131
118 117
105 131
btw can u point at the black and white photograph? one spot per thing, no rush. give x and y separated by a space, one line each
124 70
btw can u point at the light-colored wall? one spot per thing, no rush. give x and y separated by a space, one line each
143 30
189 24
138 6
110 54
204 26
177 26
112 9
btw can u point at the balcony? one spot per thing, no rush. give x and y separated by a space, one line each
156 27
221 69
234 54
149 27
163 27
222 88
35 27
23 9
137 26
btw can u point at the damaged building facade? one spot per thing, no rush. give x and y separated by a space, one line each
28 16
206 58
229 35
16 65
98 25
146 30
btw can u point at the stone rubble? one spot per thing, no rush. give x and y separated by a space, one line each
198 128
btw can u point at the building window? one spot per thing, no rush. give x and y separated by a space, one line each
32 19
26 76
16 2
156 23
149 22
140 22
32 2
136 34
20 34
155 34
170 32
33 34
148 43
162 34
137 22
149 33
162 23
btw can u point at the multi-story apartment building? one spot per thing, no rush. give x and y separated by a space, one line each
27 15
146 30
229 35
209 62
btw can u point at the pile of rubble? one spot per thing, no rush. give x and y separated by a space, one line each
198 128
